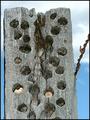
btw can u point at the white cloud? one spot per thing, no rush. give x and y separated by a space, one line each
79 15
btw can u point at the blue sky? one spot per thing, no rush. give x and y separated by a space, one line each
80 29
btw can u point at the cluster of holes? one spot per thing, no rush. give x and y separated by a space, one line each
17 34
25 70
24 24
62 21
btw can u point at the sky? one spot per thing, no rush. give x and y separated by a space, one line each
80 30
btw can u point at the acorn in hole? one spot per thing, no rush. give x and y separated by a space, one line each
49 92
17 88
17 60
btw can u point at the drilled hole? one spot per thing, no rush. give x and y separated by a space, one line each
17 60
46 74
61 85
25 70
26 38
14 23
22 107
24 24
60 102
25 49
59 70
31 115
62 51
34 89
49 41
49 92
54 60
55 30
62 21
49 108
17 88
53 15
17 34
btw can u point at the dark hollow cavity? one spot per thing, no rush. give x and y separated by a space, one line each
54 60
62 51
17 34
26 38
59 70
60 102
55 30
24 24
25 70
22 107
53 16
25 49
62 21
14 23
